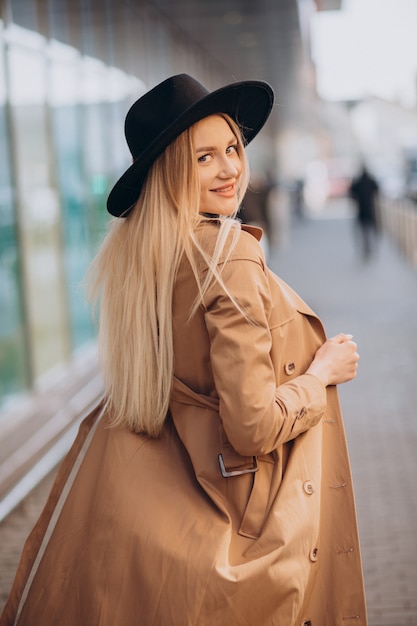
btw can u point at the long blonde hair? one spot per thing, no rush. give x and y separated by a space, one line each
132 279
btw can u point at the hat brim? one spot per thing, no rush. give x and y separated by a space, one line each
249 103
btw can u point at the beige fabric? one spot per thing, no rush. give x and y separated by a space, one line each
151 533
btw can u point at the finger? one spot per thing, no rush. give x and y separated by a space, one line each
342 337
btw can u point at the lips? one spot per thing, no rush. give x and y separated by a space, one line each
225 189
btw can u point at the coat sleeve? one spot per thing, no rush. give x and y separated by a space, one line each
257 416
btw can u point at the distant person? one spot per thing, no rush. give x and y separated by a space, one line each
298 198
364 190
255 203
279 210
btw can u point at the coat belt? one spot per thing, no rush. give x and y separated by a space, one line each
233 465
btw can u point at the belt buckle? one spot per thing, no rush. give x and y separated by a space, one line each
228 474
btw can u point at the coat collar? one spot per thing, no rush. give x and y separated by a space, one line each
256 231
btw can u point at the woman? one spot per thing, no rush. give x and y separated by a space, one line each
212 486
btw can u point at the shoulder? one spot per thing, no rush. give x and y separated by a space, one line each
241 243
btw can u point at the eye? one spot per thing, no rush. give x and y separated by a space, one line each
233 149
205 158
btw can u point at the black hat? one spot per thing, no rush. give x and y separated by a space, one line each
167 110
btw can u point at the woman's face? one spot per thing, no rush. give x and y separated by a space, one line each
219 165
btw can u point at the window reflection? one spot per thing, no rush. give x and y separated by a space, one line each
60 128
13 371
37 202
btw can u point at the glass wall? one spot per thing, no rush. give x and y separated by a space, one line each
69 71
13 354
37 203
62 147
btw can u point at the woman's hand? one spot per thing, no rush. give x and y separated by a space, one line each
336 361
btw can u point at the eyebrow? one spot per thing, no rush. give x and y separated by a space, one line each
231 142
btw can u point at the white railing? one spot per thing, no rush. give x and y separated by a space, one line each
36 432
398 218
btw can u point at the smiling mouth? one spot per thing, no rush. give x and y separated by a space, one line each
225 189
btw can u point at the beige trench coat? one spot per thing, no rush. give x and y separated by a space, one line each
241 514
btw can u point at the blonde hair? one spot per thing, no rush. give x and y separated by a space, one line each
133 276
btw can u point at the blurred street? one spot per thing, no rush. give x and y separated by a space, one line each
376 301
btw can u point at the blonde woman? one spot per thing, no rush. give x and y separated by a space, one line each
212 484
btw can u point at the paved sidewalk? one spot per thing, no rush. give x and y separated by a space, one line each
13 531
376 301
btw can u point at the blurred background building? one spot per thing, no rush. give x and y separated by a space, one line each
345 85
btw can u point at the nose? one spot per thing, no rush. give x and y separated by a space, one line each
229 168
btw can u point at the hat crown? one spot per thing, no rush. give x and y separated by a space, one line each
160 107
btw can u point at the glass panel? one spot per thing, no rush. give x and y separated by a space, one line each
66 118
67 131
24 13
37 201
13 362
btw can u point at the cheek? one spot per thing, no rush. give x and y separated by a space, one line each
204 182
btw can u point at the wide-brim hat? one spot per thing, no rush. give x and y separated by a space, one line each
167 110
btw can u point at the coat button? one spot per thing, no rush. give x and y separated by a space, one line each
314 554
308 487
289 368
